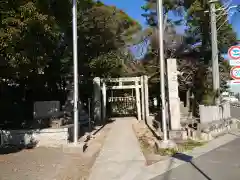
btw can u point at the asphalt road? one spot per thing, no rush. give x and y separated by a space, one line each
222 163
235 112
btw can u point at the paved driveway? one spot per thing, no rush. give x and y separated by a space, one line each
220 164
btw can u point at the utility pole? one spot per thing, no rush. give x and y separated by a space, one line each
214 42
75 71
162 67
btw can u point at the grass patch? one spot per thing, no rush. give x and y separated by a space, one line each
148 144
181 147
146 147
166 152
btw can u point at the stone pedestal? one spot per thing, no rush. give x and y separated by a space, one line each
174 101
175 113
146 94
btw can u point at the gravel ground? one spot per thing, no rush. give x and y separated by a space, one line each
51 163
43 164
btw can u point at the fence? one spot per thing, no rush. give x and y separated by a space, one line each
210 114
118 106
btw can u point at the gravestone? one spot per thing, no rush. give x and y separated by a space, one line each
45 109
174 100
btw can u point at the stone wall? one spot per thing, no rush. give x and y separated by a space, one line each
209 114
44 137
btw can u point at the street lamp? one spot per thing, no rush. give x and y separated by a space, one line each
75 72
162 67
165 143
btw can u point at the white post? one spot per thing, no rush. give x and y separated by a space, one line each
143 98
120 83
104 96
138 100
146 95
162 67
75 70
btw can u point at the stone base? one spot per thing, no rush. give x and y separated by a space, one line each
74 148
178 134
168 144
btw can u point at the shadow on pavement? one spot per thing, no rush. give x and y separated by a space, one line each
9 149
109 121
86 145
185 158
13 143
151 129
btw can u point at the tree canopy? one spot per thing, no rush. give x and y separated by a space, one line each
36 47
196 40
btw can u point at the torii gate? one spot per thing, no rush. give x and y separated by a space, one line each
139 84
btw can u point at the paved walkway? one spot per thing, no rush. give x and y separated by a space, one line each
121 156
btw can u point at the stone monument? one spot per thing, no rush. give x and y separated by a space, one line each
174 100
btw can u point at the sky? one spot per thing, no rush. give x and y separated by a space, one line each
133 9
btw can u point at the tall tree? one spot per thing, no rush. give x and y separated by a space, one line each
103 29
198 22
197 39
173 42
198 33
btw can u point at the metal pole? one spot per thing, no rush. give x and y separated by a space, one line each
215 64
162 67
89 114
75 71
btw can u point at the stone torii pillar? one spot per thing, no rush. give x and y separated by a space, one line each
97 109
146 96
